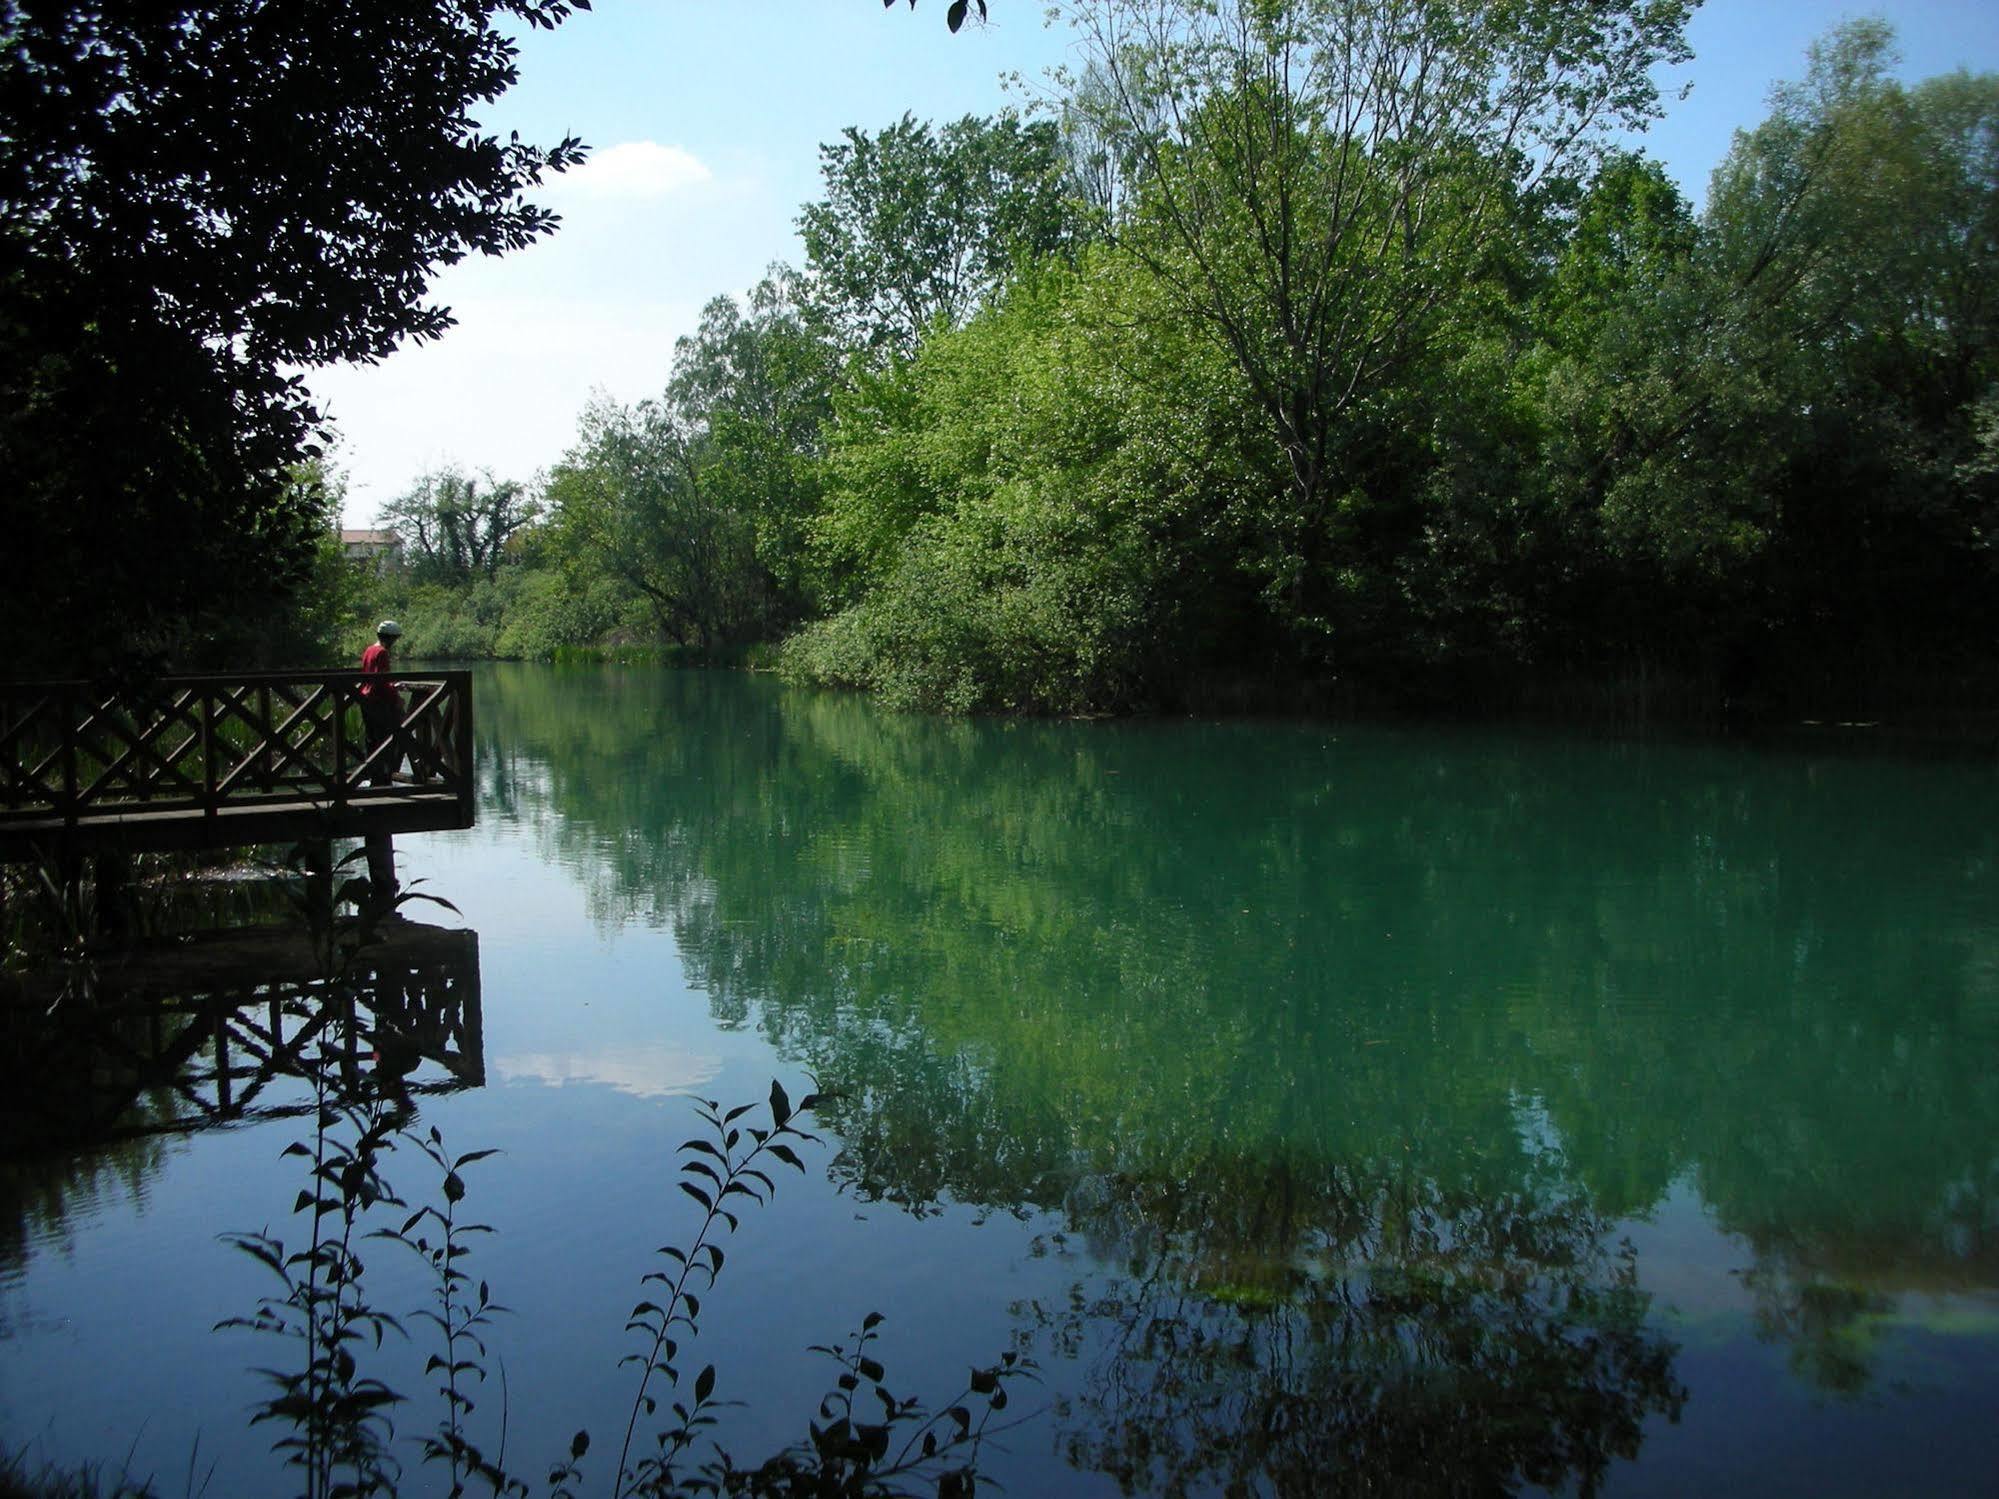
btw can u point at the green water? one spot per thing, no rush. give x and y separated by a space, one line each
1322 1107
1040 949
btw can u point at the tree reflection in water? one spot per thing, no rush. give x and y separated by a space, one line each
1047 952
1336 1062
1311 1329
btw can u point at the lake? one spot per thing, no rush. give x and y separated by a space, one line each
1281 1107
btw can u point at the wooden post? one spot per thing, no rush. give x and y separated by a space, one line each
208 796
267 757
319 882
222 1091
70 729
381 871
117 909
339 701
462 745
471 1015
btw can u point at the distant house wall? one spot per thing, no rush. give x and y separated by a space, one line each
383 549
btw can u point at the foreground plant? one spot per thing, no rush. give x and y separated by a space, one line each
461 1315
722 1165
340 1427
851 1454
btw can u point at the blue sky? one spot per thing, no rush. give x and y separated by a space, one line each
705 118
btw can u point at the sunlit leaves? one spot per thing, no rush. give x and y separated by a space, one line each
921 224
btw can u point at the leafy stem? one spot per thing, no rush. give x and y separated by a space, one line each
462 1311
724 1164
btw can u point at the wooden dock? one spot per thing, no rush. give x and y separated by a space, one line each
190 762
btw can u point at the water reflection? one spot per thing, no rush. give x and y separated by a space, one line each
225 1029
1360 1093
1042 955
1307 1328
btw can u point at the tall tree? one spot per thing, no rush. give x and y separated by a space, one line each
1831 370
456 526
1322 181
754 385
920 225
699 501
629 501
197 200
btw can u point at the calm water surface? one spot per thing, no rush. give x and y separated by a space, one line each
1320 1108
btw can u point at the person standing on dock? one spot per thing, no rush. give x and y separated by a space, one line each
381 702
382 716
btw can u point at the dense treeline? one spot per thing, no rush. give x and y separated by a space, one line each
1256 373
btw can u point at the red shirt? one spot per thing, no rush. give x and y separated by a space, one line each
374 662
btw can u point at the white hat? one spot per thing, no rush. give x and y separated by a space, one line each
388 627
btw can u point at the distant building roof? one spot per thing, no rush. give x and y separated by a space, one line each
369 538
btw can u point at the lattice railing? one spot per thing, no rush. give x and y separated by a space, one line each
206 744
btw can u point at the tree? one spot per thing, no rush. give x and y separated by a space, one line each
754 385
1323 182
1776 421
629 500
199 201
1034 513
457 526
919 226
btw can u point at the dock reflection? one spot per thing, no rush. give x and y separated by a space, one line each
219 1031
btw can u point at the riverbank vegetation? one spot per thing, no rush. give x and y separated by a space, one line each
1316 353
1243 377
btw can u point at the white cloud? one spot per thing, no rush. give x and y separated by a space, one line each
656 1071
632 169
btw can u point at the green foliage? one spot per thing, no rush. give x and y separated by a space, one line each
754 385
1436 404
554 608
696 504
200 201
314 625
456 527
1333 227
1017 551
921 225
629 501
445 623
1392 384
1773 432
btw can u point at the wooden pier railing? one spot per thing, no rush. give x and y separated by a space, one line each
219 761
